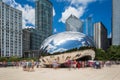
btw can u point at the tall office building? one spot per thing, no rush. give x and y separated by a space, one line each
26 40
10 31
31 42
35 39
100 36
115 22
89 27
73 24
43 17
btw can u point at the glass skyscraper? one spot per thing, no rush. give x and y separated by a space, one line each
35 39
43 17
89 27
73 24
115 22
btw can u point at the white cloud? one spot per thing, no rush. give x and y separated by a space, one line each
55 30
76 8
84 2
28 15
71 10
78 1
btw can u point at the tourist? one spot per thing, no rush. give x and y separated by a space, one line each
83 64
32 65
24 65
69 63
74 63
78 64
97 63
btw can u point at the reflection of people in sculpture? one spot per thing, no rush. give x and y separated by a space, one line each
58 59
78 55
55 64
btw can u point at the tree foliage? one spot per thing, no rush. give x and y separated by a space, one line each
112 53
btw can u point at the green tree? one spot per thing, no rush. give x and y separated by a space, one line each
100 55
114 53
13 58
3 59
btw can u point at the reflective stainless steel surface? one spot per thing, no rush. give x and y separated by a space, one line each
65 41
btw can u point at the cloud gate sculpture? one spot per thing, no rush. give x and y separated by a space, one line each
65 41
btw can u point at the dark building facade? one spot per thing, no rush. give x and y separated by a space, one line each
31 42
35 38
109 42
26 40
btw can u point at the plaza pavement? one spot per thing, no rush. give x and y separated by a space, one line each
106 73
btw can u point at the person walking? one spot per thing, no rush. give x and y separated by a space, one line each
78 64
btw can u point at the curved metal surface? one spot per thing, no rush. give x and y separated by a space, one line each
65 41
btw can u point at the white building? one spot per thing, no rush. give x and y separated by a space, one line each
115 22
10 31
100 36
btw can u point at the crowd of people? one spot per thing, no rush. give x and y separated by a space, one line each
29 65
83 64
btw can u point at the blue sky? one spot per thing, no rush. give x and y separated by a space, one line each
100 10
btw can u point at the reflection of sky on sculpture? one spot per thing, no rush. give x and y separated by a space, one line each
66 40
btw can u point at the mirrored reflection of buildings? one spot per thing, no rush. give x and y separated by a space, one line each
65 41
10 31
115 22
100 36
74 24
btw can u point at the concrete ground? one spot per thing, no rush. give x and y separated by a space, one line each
106 73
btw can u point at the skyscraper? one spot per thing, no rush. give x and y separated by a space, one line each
26 40
89 27
115 22
32 40
73 24
43 17
35 39
10 31
100 36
